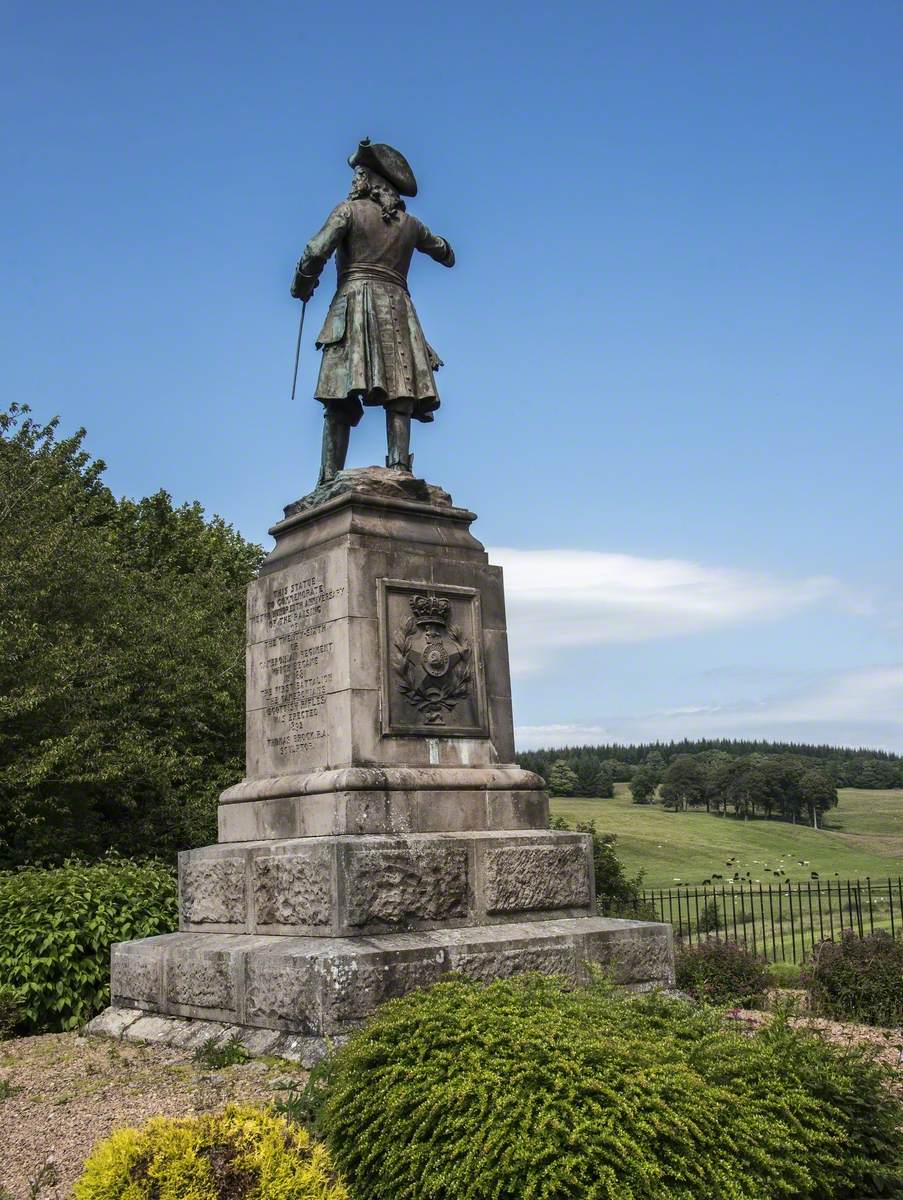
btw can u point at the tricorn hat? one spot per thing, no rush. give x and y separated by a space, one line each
388 162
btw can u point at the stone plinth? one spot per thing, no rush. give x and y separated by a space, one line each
383 834
378 690
326 986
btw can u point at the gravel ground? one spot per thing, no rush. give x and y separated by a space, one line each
888 1043
70 1092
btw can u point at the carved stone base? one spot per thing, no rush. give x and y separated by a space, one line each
377 661
383 835
347 886
326 986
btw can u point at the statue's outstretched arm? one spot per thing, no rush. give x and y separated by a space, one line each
318 250
436 247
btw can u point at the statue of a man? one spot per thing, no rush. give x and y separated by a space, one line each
374 351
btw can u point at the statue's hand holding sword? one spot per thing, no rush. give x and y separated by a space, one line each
303 287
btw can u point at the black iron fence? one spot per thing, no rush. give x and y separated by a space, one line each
781 922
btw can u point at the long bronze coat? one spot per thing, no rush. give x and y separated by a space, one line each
373 347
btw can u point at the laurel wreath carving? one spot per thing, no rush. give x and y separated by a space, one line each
432 701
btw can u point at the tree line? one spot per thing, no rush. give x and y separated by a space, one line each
785 786
863 768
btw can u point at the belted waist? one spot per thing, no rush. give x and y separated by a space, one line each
373 271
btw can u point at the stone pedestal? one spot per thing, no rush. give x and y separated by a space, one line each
383 834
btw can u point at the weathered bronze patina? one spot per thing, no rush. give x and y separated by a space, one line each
374 351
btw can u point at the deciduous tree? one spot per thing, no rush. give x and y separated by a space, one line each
121 657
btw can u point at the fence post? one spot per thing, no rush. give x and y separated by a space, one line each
792 919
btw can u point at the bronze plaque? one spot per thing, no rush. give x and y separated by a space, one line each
432 660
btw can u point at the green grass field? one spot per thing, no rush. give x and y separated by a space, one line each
863 836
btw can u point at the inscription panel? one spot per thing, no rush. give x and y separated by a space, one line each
432 660
293 664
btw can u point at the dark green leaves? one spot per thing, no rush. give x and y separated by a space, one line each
57 927
121 658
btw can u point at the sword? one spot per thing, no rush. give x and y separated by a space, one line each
298 348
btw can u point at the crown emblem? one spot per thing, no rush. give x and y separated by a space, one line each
430 610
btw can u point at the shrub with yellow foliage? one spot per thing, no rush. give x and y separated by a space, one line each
242 1153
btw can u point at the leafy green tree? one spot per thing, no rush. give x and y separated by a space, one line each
121 657
622 771
683 784
604 782
874 773
643 785
783 776
819 793
562 780
656 761
714 763
746 786
585 767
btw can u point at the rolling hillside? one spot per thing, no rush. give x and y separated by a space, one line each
864 836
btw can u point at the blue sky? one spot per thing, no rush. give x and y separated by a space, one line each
673 335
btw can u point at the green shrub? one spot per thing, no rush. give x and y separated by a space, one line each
57 926
721 972
617 894
243 1153
10 1011
524 1089
857 979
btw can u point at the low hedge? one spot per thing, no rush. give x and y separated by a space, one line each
721 972
57 926
242 1153
857 979
524 1089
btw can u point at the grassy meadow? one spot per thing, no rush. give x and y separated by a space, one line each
862 836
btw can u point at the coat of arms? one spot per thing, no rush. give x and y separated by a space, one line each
432 659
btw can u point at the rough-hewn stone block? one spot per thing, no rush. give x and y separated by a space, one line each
483 964
519 878
283 990
212 891
405 885
203 979
293 889
137 977
367 984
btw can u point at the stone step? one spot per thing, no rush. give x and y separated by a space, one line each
327 986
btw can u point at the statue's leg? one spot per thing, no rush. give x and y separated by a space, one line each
335 447
398 437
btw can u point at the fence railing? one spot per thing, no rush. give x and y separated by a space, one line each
781 922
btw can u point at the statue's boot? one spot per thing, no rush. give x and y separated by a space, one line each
398 437
335 448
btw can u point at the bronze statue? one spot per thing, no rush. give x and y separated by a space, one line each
374 351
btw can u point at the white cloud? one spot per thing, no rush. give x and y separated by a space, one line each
860 707
559 599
